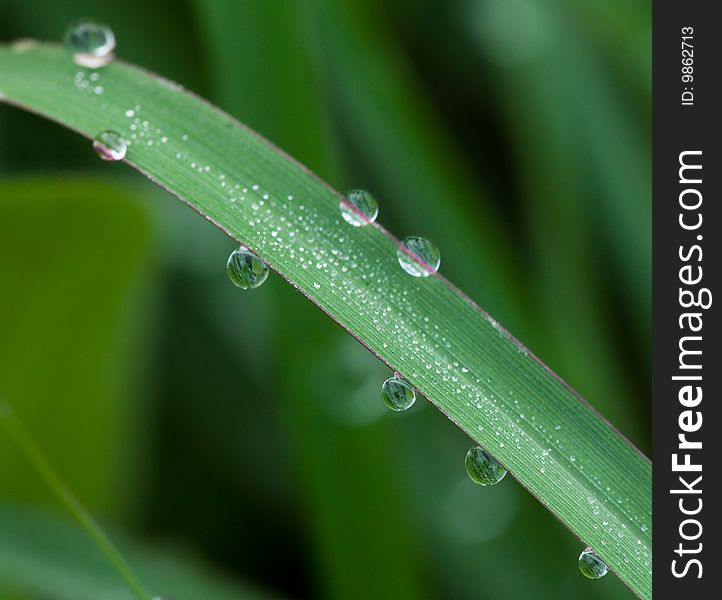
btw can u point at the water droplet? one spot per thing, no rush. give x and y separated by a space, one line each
359 208
245 269
591 565
418 256
90 43
398 394
482 467
109 145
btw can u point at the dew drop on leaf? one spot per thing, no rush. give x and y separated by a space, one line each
482 467
245 269
418 256
398 394
109 145
358 208
90 43
591 565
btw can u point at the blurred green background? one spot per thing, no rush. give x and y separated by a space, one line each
234 443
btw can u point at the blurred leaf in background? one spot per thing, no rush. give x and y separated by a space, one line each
246 428
73 349
44 556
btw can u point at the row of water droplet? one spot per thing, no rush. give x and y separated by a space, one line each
92 46
417 256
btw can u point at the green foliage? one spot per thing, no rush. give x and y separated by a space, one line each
249 445
456 355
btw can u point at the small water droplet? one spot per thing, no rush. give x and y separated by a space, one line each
418 256
397 393
482 467
591 565
90 43
109 145
245 269
358 208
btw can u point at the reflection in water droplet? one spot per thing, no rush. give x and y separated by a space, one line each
418 256
591 565
109 145
482 467
90 43
398 394
245 269
359 208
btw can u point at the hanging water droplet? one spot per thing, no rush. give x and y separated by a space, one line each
482 467
591 565
109 145
245 269
90 43
398 394
418 256
359 208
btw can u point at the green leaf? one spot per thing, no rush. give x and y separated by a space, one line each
592 479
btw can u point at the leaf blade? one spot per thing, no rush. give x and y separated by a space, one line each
455 354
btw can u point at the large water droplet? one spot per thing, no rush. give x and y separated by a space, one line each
591 565
90 43
482 467
359 208
246 270
109 145
418 256
398 394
